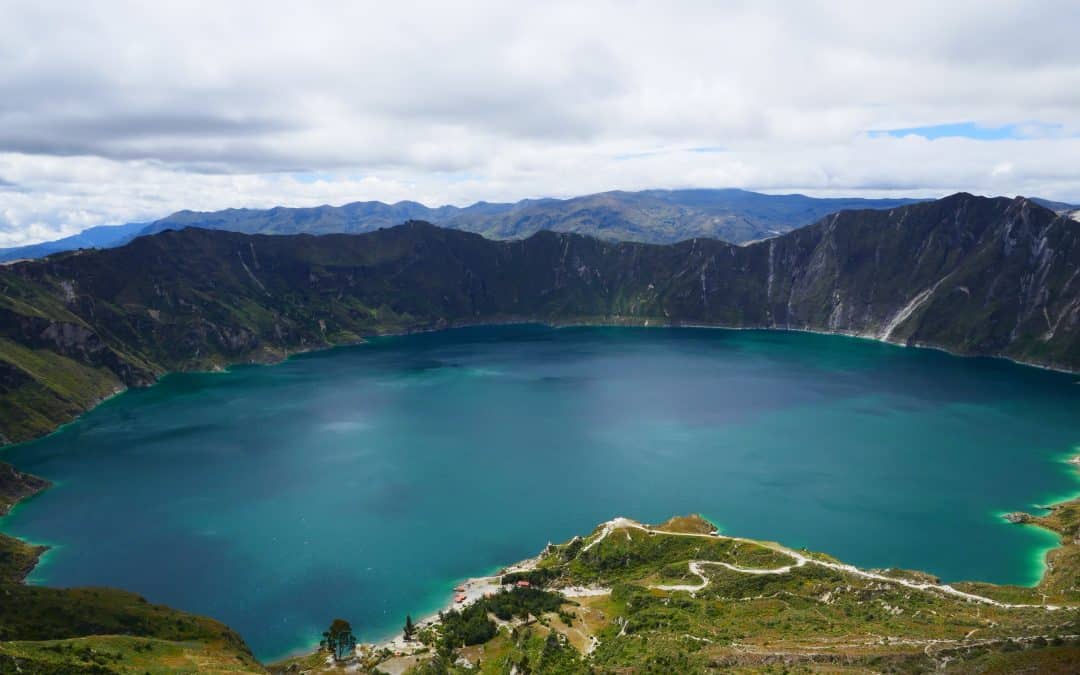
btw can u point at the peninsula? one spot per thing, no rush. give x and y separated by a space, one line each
682 597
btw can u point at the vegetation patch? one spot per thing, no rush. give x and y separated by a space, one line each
788 617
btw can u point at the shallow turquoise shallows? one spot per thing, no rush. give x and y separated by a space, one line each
362 482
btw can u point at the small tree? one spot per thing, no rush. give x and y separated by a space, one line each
339 640
410 628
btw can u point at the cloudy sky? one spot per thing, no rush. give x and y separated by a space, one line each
113 112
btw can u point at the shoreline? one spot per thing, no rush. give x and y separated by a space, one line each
400 647
609 322
1050 507
475 589
616 321
286 355
662 322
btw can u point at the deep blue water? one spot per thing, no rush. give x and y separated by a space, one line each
361 482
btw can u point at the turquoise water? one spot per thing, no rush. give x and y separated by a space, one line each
362 482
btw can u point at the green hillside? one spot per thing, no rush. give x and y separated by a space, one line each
976 276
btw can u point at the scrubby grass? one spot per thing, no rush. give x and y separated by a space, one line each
43 388
676 573
755 556
809 619
1062 578
1010 659
632 553
17 558
121 654
38 613
106 630
529 649
311 662
687 524
16 486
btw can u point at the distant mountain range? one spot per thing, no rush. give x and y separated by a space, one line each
973 275
654 216
650 216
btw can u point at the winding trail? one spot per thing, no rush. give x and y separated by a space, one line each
695 568
800 560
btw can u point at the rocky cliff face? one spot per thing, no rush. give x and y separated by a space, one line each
969 274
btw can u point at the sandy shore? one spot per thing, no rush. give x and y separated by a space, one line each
472 589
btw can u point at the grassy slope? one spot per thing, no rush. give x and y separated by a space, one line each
811 619
44 387
17 558
1061 582
121 654
16 485
103 630
107 630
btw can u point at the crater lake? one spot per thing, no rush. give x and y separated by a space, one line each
363 482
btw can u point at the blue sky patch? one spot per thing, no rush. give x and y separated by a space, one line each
974 131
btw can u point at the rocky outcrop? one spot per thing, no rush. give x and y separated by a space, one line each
16 486
1017 517
972 275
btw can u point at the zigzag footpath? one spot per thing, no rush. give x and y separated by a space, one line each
800 560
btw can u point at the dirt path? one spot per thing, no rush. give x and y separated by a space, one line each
800 560
695 569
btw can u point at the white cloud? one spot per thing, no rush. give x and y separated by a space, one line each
112 112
